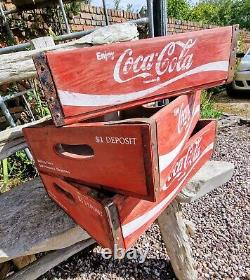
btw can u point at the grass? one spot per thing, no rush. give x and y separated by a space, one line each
208 110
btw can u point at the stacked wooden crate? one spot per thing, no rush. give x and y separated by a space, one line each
127 134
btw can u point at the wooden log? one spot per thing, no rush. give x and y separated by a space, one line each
31 223
20 66
12 139
49 261
176 239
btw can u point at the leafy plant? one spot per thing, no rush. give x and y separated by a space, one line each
208 109
5 175
72 8
179 9
38 106
20 166
218 12
20 169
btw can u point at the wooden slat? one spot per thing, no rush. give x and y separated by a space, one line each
49 261
12 140
212 175
31 223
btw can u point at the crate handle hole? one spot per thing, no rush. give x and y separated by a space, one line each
75 151
66 194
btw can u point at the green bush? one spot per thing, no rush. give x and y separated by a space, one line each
208 109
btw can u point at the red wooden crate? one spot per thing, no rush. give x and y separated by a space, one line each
132 156
87 82
113 219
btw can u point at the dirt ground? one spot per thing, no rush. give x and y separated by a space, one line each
235 106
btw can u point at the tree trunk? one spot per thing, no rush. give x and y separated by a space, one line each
176 239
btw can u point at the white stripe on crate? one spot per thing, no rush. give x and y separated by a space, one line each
68 98
166 160
137 223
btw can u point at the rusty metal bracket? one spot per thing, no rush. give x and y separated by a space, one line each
114 222
49 88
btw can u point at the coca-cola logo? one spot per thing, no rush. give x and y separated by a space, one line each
174 57
184 116
180 168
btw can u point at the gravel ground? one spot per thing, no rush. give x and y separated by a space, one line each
239 106
220 245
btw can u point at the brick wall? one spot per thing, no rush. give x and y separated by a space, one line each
181 26
90 17
30 24
37 23
245 36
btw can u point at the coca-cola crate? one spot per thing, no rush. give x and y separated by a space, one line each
132 156
120 220
88 82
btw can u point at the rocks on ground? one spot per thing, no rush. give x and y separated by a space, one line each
221 241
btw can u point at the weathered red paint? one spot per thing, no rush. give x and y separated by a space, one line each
119 219
132 73
132 156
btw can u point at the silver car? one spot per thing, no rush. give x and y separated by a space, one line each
241 80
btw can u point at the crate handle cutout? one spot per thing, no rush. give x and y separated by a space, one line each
81 151
66 194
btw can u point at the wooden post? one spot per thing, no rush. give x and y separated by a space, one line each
174 234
